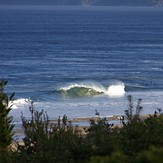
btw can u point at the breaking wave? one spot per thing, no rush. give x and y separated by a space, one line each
19 103
85 89
92 89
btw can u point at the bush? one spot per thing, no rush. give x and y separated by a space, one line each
131 137
137 134
154 130
46 142
116 157
6 125
61 142
154 154
101 137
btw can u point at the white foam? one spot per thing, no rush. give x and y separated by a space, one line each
95 86
116 90
19 103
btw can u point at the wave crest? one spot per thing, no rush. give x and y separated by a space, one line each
92 89
116 90
19 103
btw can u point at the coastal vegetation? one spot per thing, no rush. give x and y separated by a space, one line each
6 125
136 140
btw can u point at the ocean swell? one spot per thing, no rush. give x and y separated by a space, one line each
92 89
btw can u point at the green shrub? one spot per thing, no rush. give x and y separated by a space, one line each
60 142
154 154
6 125
137 134
46 142
116 157
101 137
131 137
154 130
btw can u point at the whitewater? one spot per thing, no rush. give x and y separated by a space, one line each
75 60
92 89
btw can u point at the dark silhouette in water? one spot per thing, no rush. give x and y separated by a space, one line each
97 113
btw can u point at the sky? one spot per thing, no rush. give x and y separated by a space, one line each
79 2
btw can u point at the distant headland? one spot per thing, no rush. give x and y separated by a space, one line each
85 2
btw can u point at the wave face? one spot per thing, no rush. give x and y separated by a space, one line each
92 89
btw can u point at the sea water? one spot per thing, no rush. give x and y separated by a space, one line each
75 60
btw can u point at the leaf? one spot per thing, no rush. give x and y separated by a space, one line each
11 97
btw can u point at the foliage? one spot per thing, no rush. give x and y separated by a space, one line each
154 154
136 134
116 157
6 124
137 140
100 136
46 142
131 117
131 136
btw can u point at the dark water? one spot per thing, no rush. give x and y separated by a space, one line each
73 60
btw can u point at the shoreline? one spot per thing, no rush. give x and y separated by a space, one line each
81 130
115 118
80 122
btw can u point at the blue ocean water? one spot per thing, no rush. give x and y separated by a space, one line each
73 60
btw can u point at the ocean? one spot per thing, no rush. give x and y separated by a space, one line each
75 60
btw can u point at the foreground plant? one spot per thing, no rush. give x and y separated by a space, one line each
100 137
60 142
6 124
51 142
139 134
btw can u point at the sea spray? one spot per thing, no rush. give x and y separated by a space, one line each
77 90
116 90
92 89
19 103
